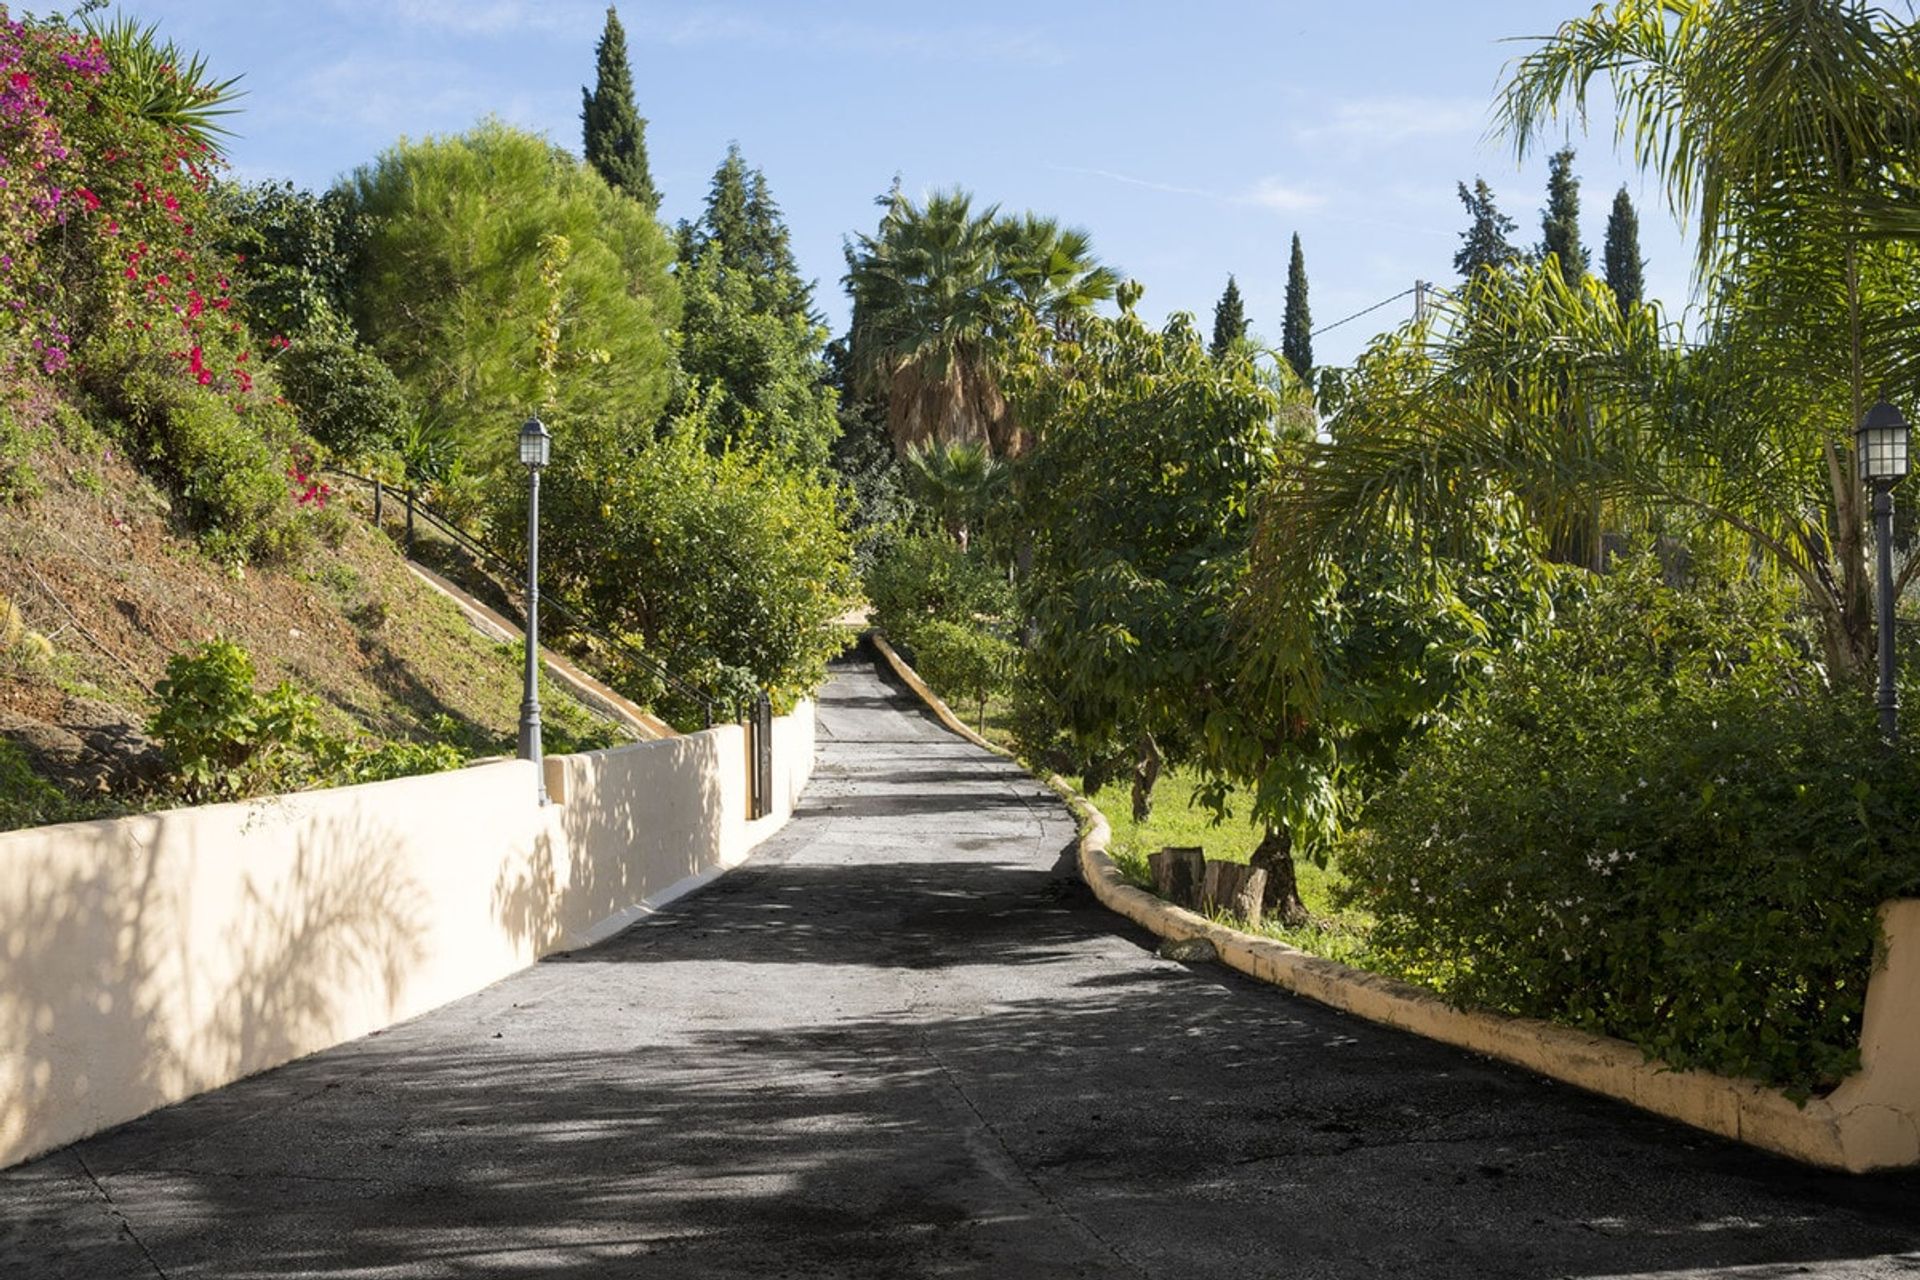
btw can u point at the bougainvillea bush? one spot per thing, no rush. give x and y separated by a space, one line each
110 278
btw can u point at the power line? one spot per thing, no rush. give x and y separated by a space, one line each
1356 315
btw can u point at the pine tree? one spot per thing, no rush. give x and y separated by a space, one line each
1560 220
1484 243
742 219
750 341
1623 261
1229 320
615 133
1296 335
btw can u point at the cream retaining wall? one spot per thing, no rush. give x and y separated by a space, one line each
146 959
1872 1121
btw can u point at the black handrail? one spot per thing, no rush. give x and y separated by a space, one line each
705 697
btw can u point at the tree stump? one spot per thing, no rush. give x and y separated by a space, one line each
1235 889
1177 872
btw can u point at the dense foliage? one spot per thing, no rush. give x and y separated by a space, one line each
496 272
731 568
1659 823
750 346
227 740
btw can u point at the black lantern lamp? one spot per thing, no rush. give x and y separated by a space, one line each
536 443
1882 443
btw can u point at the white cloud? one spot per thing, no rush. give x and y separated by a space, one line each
1267 193
1384 121
1271 193
478 17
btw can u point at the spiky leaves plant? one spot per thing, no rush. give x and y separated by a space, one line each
163 83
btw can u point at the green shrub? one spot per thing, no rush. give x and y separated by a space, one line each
26 798
1661 824
229 468
964 660
929 577
18 481
226 739
345 395
730 569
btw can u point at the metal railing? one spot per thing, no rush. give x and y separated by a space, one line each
575 618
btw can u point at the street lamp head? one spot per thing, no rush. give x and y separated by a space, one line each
1882 439
536 442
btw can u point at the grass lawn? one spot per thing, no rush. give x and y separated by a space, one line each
1338 933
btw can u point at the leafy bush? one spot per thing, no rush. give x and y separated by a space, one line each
18 481
1660 824
731 569
926 578
228 465
959 659
346 397
226 739
26 798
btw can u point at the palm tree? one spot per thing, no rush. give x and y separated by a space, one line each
1052 270
937 291
1789 131
956 482
1786 129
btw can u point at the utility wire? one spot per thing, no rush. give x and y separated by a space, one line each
1364 311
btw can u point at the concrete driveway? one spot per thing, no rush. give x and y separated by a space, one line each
904 1041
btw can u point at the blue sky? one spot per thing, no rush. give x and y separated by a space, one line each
1191 139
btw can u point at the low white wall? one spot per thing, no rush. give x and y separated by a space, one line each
147 959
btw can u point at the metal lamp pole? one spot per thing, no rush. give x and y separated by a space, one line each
1882 440
535 444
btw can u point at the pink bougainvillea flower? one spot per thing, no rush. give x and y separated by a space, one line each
87 198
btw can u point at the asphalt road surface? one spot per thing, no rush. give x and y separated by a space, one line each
904 1041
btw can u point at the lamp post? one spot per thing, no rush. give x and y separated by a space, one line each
535 443
1882 440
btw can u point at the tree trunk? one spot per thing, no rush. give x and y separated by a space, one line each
1146 772
1282 895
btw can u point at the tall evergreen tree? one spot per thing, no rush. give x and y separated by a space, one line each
1484 243
615 132
750 346
1623 261
1296 336
1229 320
743 227
1560 220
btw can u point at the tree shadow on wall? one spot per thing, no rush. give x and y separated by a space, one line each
96 1019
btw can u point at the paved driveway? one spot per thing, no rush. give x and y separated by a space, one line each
904 1041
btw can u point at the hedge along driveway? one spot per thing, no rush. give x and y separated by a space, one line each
905 1041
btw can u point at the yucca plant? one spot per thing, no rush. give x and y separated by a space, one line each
163 83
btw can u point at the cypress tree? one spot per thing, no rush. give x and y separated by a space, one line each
1229 320
1484 243
615 133
1296 336
1560 220
1623 261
